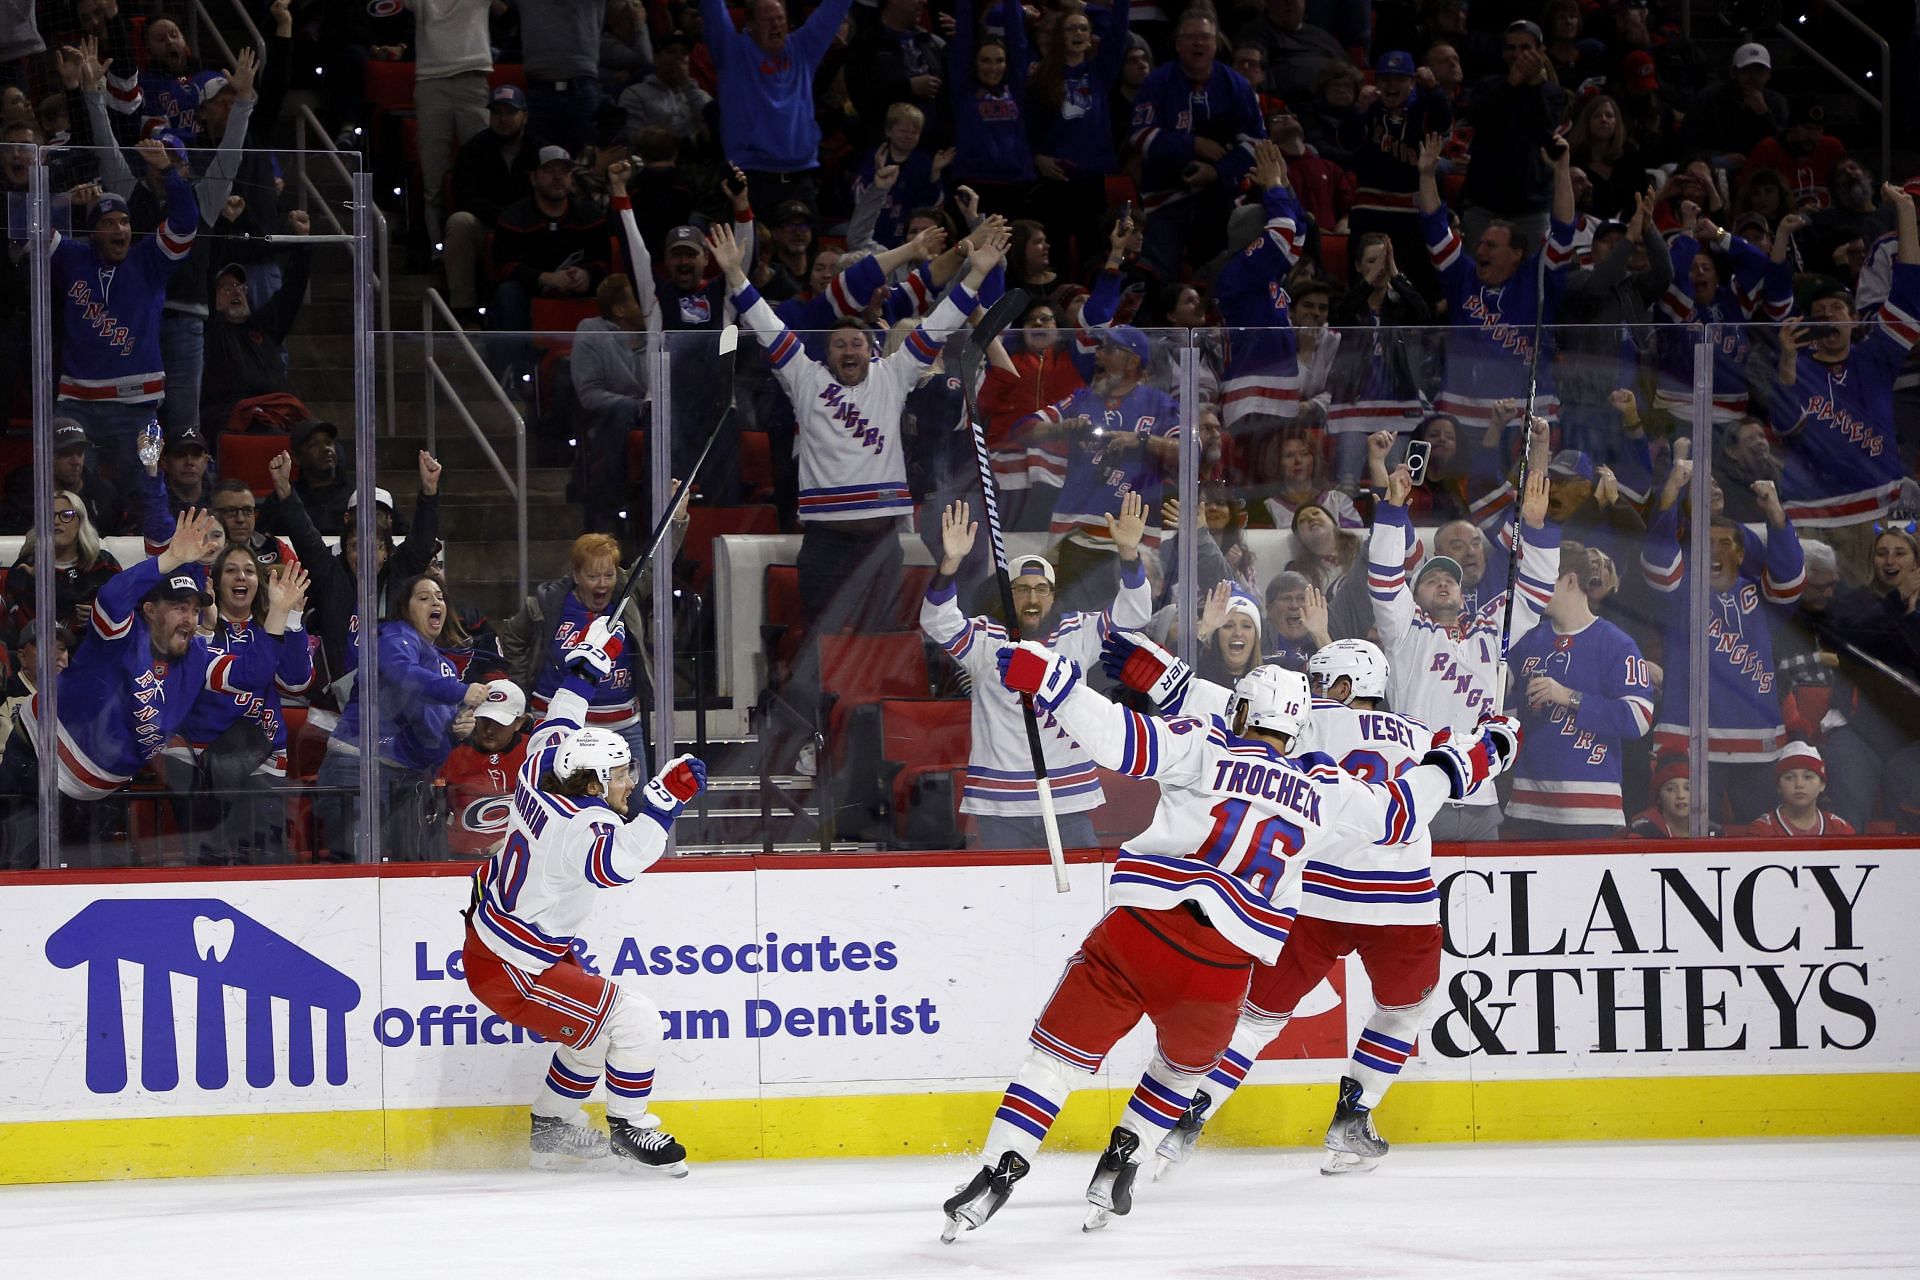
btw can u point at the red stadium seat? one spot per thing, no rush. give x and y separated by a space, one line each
704 524
924 736
245 457
860 669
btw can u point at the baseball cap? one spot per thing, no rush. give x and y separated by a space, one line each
1394 62
789 212
305 431
1440 564
1131 339
1638 72
69 435
183 585
233 269
1799 755
186 438
505 703
1571 464
555 155
686 235
1752 55
1032 566
107 204
507 95
381 498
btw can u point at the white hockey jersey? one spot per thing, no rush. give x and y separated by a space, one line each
560 851
851 463
1360 881
1449 677
999 766
1238 822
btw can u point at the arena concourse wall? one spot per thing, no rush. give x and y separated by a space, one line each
180 1023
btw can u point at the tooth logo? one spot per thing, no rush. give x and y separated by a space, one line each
212 939
218 947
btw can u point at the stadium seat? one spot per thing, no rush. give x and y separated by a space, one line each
856 670
704 524
245 457
922 739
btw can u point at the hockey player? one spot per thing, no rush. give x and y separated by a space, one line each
1446 661
1586 691
1493 298
579 825
1001 792
1379 901
1207 890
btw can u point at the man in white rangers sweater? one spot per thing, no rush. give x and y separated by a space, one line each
1446 662
853 474
1209 888
1000 790
1358 896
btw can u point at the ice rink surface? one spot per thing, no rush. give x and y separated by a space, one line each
1735 1208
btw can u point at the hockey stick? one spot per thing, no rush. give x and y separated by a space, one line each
729 348
972 356
1526 452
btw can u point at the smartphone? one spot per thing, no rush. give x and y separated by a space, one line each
1416 459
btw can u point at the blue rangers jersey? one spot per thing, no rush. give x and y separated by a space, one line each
1744 723
1238 822
1570 771
119 704
1836 420
999 768
1263 353
110 312
1170 111
1761 291
560 851
1490 327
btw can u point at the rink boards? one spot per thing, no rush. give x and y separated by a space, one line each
188 1023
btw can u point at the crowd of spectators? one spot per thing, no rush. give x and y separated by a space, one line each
1331 252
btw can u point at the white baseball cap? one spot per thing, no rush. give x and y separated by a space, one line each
505 703
1748 55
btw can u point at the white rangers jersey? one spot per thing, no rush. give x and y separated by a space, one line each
1449 677
1238 822
1360 881
999 767
560 851
851 464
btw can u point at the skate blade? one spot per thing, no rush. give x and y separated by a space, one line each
1097 1217
1347 1162
634 1169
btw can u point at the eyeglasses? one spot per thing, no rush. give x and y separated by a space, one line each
65 517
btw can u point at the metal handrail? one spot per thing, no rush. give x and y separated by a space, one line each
516 483
1884 102
304 121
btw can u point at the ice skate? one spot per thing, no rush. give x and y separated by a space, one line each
646 1150
557 1144
1352 1144
980 1199
1111 1191
1177 1147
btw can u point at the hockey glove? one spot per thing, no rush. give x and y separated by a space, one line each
1143 666
680 781
594 654
1037 670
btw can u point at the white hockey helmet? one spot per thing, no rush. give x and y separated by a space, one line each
1271 698
1359 660
597 751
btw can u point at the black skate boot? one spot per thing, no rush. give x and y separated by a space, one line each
1177 1146
1111 1191
646 1150
980 1199
557 1144
1352 1144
